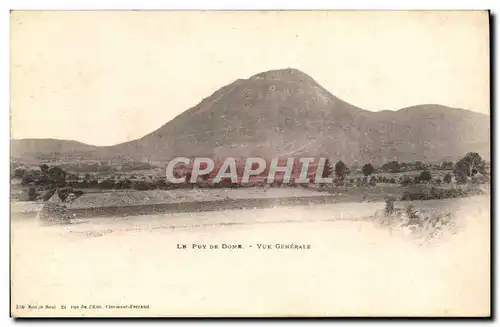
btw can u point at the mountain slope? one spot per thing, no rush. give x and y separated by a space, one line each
285 112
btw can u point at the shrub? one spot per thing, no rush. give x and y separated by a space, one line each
340 170
392 167
424 224
411 215
425 176
368 169
389 205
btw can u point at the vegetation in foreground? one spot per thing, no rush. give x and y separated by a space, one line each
422 224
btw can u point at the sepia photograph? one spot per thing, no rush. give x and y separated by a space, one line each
256 163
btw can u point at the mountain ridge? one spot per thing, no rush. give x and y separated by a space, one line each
286 111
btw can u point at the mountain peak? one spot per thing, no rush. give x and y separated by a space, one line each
286 74
285 112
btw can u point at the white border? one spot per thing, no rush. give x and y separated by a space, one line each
182 5
253 5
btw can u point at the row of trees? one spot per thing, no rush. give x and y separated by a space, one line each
467 167
397 167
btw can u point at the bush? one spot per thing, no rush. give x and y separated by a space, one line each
425 224
389 205
411 215
368 169
425 176
392 167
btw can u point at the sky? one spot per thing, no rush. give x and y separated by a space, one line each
106 77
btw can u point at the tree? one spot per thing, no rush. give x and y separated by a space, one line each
469 165
327 170
447 178
392 167
55 175
425 176
340 170
461 172
368 169
389 205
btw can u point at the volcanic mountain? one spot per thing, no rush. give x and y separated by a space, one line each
286 113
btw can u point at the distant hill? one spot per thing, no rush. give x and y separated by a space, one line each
37 149
285 112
